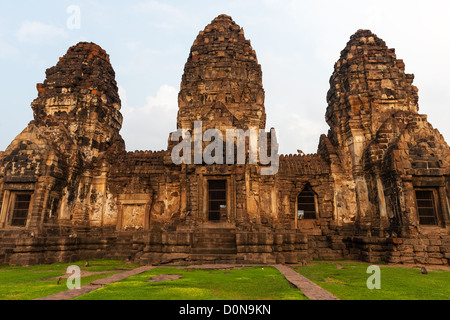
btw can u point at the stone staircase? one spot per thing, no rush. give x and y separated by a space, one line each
214 244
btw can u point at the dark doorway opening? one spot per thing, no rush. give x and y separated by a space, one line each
217 200
306 204
426 206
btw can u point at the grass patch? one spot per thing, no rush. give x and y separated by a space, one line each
28 283
254 283
348 281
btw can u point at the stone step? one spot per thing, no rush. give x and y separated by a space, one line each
218 251
9 234
215 239
215 234
209 244
209 232
6 246
214 243
215 230
215 246
7 243
213 258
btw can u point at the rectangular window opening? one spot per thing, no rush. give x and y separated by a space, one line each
20 212
426 207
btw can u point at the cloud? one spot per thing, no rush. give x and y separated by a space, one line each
165 99
148 127
296 131
35 32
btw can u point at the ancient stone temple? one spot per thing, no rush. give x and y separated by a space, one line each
377 189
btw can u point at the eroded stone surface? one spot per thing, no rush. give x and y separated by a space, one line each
89 198
222 67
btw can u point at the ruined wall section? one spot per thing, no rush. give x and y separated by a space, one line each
80 93
143 193
295 174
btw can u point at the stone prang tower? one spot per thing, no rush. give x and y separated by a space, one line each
377 189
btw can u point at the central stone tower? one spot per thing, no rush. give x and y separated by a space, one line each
222 73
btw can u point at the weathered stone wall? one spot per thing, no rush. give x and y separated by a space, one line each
57 157
80 95
222 67
375 125
69 245
297 172
92 199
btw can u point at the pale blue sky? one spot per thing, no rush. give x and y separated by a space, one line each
297 44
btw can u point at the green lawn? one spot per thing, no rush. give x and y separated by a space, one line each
27 283
346 280
254 283
349 281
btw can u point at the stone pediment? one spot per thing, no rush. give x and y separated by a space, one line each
220 117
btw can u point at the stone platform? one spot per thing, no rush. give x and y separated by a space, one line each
220 245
